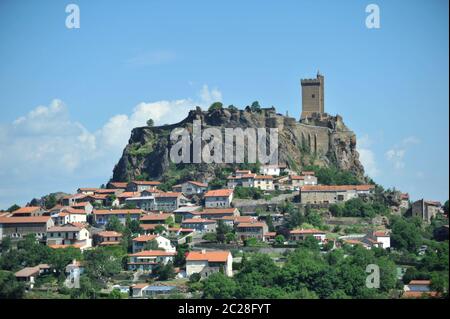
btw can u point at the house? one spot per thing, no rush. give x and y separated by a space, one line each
209 262
273 170
241 172
99 199
70 235
253 229
301 234
200 225
18 227
331 194
123 196
233 221
146 260
163 243
117 185
263 182
139 186
107 238
419 289
29 274
217 213
29 211
169 201
70 200
192 188
142 202
74 215
426 209
87 190
157 218
101 216
186 212
146 290
382 237
218 198
86 206
243 180
270 237
298 181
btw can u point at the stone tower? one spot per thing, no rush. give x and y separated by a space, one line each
312 96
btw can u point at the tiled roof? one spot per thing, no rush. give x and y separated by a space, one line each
219 193
24 220
151 217
198 221
212 211
119 184
129 194
144 238
26 210
210 256
109 233
197 184
116 211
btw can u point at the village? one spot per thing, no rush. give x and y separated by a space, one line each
205 230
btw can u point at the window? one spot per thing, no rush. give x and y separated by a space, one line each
313 96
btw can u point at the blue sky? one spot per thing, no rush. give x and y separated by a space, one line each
69 97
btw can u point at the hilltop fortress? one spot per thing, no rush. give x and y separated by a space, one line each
318 139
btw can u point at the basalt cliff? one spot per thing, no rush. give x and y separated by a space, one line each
321 140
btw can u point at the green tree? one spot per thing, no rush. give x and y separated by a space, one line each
164 272
150 123
114 224
221 231
405 234
279 239
219 286
210 237
10 288
215 106
13 208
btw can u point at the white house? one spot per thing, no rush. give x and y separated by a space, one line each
101 216
200 225
301 234
273 170
383 238
193 187
218 198
146 260
69 235
163 243
209 262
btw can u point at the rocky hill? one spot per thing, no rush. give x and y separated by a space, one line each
323 140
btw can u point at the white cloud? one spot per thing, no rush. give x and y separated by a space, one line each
367 156
396 155
47 144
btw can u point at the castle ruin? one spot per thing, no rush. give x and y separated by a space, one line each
312 96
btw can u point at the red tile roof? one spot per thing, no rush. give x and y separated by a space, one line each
197 184
24 220
119 184
109 233
153 217
145 238
210 256
198 221
116 211
212 211
254 224
26 210
129 194
219 193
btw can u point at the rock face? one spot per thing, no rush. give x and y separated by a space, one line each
319 140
